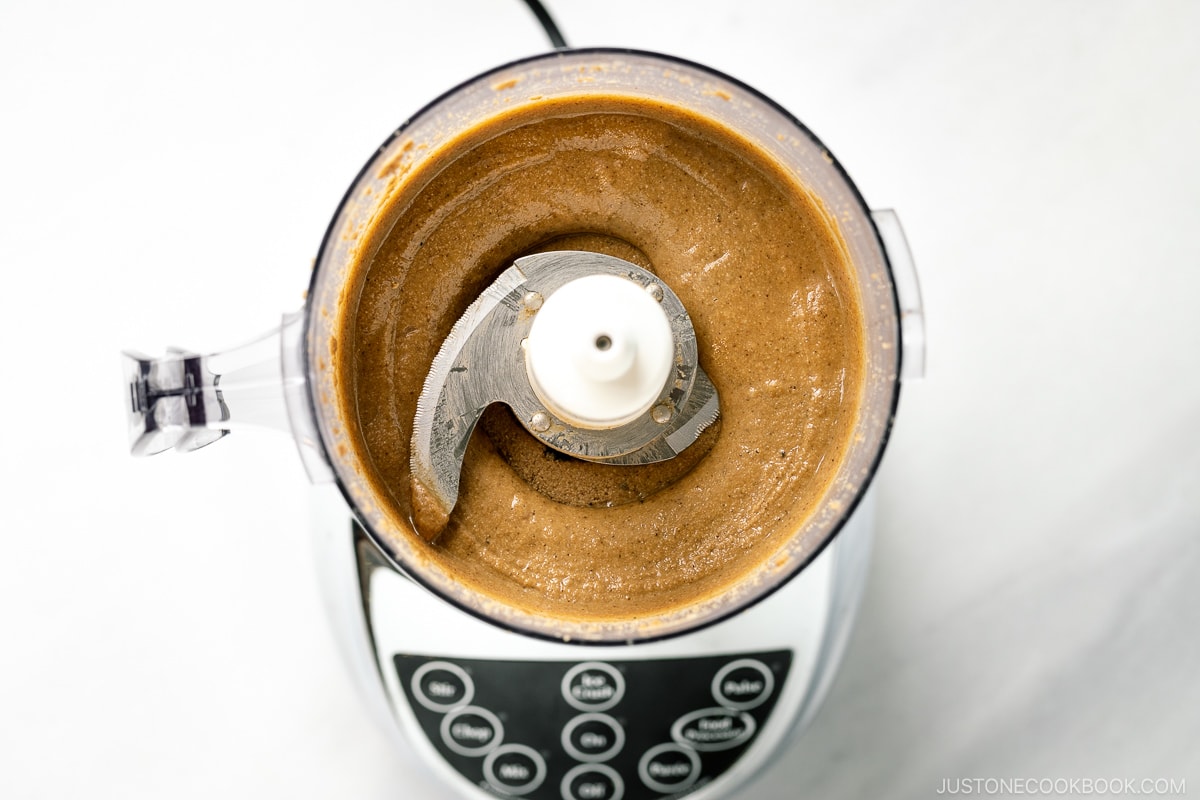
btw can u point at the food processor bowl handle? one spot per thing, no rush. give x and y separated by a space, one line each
184 400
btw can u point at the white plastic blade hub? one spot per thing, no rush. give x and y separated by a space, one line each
599 351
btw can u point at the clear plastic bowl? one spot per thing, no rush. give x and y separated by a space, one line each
680 83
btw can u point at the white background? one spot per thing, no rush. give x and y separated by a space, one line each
1033 610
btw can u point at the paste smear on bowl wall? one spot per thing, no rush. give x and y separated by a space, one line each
759 267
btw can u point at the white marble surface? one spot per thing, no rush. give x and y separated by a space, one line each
1033 609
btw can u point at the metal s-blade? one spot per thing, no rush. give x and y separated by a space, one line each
464 379
482 361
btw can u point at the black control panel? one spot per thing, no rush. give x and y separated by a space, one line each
593 730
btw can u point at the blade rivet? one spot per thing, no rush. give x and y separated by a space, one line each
661 414
540 422
532 301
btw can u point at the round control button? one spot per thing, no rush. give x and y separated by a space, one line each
713 729
669 767
593 737
592 782
471 731
441 686
593 686
514 769
743 684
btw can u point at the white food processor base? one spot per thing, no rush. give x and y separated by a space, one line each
479 712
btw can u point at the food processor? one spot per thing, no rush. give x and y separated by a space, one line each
496 699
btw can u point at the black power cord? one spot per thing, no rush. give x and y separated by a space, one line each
552 32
